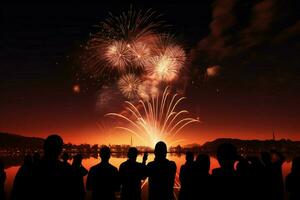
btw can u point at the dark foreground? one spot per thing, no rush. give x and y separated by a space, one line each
237 177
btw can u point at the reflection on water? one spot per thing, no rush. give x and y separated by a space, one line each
116 160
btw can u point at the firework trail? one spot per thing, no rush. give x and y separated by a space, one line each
133 25
159 119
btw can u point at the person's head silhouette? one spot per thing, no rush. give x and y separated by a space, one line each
65 157
227 155
1 165
132 153
160 150
203 162
27 160
296 166
243 166
189 157
266 158
105 154
77 159
36 157
53 146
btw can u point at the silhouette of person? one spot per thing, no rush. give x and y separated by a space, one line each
51 180
293 180
65 157
202 179
161 173
2 180
131 175
247 188
186 177
78 172
36 159
67 166
103 178
256 179
273 179
23 180
225 178
267 175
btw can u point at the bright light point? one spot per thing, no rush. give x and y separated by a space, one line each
76 89
213 70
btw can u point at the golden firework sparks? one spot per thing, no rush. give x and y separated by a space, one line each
159 119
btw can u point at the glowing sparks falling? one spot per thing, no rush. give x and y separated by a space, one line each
158 119
128 85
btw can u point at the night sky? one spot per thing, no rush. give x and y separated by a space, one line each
255 44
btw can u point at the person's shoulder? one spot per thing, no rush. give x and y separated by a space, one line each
124 164
112 167
216 171
151 164
60 163
95 167
290 177
183 167
172 163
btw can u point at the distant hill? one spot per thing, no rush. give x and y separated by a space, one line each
8 140
282 145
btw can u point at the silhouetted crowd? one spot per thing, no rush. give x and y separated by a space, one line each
238 177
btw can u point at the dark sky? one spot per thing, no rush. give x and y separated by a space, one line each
255 43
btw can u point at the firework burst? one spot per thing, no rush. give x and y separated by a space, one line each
131 43
167 65
128 85
123 42
159 119
118 55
